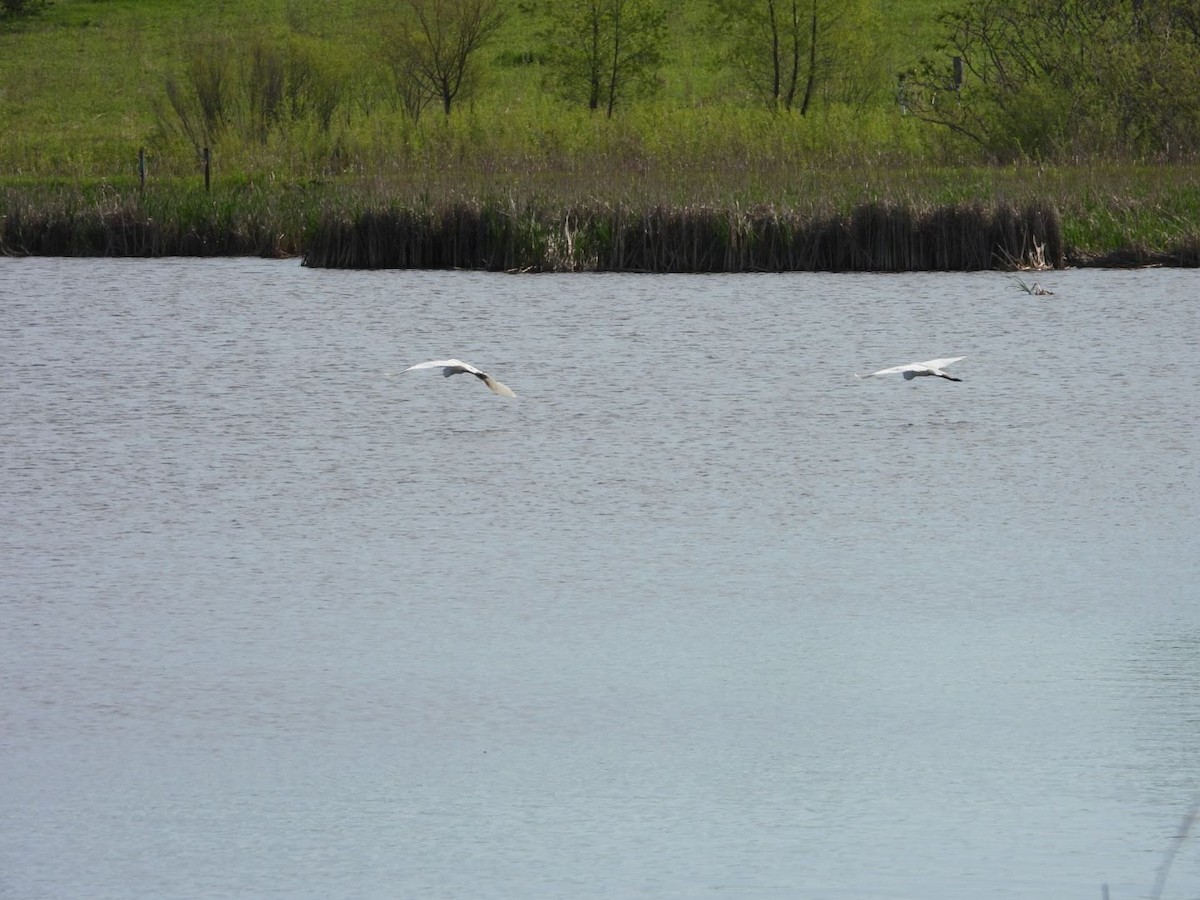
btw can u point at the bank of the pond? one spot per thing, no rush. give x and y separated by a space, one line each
879 237
334 229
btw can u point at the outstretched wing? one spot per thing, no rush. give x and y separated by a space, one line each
457 366
892 371
938 363
454 365
927 366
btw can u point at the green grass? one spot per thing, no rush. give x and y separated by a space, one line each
1126 216
82 88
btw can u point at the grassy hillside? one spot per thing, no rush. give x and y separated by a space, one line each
82 86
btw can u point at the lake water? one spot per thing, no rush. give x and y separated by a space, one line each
699 614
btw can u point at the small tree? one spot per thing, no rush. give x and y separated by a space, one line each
315 87
12 9
264 78
767 45
202 98
788 50
412 90
601 51
1076 76
430 50
250 90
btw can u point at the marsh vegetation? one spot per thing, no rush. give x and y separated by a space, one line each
716 119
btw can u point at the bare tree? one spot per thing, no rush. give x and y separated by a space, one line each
767 44
250 90
412 91
602 51
430 49
264 79
811 78
202 98
790 51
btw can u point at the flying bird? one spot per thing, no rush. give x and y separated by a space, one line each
458 367
912 370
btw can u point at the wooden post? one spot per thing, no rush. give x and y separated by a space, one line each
141 168
958 72
206 168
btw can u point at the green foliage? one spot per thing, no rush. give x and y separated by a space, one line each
601 52
432 46
769 43
105 219
1127 215
302 89
1065 79
13 9
791 52
201 97
250 91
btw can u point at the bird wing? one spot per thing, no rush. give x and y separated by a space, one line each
937 363
929 365
457 364
892 371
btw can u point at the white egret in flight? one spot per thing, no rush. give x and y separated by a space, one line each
457 367
912 370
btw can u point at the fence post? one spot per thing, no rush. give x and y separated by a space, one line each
141 168
206 168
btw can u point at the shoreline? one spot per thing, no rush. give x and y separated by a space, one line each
335 226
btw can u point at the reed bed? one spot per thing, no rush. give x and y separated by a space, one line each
55 220
118 233
877 237
847 225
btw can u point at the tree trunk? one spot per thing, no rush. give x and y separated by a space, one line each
596 74
812 60
616 57
794 61
776 75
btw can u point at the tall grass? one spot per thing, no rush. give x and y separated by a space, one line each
85 84
557 216
875 237
180 220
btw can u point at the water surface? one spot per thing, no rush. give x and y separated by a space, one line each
697 614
